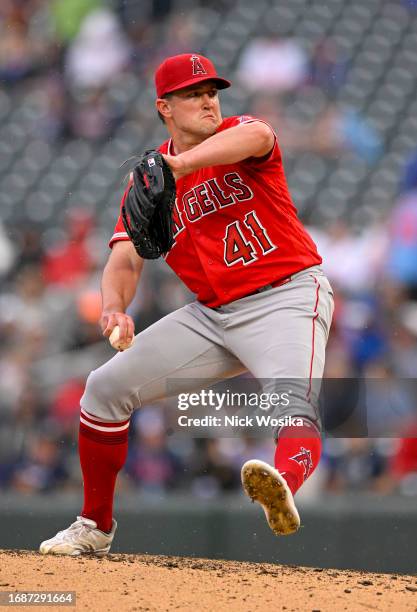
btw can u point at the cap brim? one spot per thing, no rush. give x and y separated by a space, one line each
221 83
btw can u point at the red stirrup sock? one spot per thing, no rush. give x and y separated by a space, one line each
297 453
103 452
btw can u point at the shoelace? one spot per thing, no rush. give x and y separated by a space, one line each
76 528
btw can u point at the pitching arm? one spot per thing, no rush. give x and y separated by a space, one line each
118 287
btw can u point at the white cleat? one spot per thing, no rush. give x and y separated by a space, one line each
264 484
80 538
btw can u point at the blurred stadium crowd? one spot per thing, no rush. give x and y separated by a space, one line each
337 81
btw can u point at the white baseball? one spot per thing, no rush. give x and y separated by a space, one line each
116 343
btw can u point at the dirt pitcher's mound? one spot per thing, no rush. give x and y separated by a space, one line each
144 582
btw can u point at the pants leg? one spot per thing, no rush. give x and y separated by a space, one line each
280 336
183 345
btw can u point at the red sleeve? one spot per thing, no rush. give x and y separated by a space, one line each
119 232
242 119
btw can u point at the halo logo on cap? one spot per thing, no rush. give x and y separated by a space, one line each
198 67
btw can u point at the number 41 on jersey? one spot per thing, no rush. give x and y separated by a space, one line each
245 240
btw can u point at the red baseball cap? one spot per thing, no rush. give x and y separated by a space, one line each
183 70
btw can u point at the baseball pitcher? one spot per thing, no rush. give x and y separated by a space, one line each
262 303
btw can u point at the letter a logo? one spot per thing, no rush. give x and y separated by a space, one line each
198 67
303 457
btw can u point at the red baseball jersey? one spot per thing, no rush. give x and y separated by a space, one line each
236 228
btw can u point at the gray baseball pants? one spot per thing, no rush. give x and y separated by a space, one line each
279 334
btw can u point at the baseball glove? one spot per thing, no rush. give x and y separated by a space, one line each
147 211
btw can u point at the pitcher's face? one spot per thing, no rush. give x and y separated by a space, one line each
194 110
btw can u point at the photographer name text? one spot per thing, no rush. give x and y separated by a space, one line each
239 421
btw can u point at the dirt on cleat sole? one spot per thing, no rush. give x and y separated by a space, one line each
265 485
